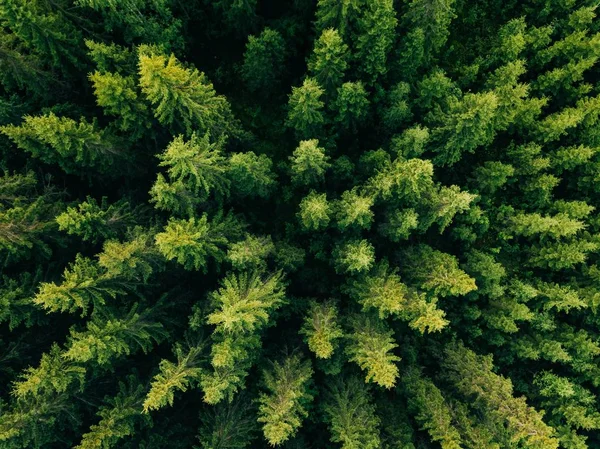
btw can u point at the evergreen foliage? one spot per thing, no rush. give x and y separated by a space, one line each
356 224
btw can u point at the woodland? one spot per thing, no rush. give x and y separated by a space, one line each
302 224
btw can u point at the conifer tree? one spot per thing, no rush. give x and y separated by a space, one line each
371 346
71 145
305 114
264 60
430 409
191 242
321 329
119 417
329 60
283 407
94 222
351 414
174 376
309 163
183 97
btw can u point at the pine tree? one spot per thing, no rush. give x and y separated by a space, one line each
96 222
191 242
385 293
305 114
468 124
354 209
371 344
430 408
174 376
264 61
283 407
119 416
329 60
354 257
376 34
45 29
251 175
228 425
119 97
196 164
437 272
472 376
107 337
309 163
183 97
351 414
242 307
337 14
315 211
250 253
71 145
321 329
351 104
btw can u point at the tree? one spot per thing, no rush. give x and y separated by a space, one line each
432 19
251 175
251 252
174 376
71 145
437 272
337 14
118 95
468 124
430 408
118 417
107 337
228 425
354 257
315 211
329 60
351 105
191 242
472 376
264 60
321 329
309 163
398 112
241 308
96 222
305 114
45 29
354 209
371 346
283 407
351 415
383 292
182 97
197 164
376 34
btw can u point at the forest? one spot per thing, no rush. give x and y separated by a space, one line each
301 224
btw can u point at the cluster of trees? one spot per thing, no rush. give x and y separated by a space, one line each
351 224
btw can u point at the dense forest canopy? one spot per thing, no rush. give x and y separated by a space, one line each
352 224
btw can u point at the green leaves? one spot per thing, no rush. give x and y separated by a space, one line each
183 95
371 345
305 114
321 329
245 301
73 146
196 169
192 242
309 163
351 414
174 377
283 407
